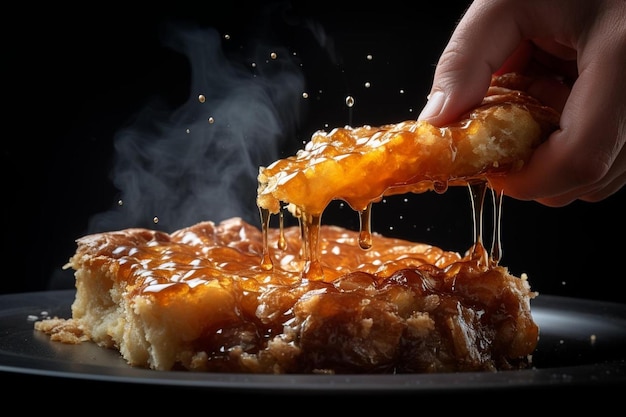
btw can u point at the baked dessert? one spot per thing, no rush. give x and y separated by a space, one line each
199 299
314 298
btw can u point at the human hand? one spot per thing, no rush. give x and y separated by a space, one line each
576 52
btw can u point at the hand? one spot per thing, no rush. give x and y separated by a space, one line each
576 51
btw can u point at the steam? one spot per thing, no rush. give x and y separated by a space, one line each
200 161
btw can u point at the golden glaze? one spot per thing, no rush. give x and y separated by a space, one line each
310 298
398 307
153 261
360 165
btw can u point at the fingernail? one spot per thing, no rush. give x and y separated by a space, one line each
433 106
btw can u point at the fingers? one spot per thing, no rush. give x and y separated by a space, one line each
488 33
576 50
585 159
551 91
519 59
491 35
610 185
611 188
596 189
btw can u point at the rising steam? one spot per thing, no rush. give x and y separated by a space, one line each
200 162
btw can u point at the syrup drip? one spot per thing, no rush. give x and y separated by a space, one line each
266 260
311 233
410 157
478 189
496 246
310 226
365 229
282 242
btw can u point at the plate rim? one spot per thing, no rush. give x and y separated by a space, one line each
608 372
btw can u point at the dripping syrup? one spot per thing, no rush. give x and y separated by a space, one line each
310 226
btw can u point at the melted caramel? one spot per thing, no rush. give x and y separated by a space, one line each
314 298
398 307
362 165
207 253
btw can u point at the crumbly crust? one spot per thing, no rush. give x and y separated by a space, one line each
197 299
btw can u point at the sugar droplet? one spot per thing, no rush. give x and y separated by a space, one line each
201 98
211 120
350 101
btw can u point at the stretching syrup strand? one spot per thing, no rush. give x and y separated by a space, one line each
310 228
362 165
328 170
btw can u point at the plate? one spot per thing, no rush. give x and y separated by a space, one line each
582 345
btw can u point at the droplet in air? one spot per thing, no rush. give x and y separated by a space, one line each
367 84
305 95
349 101
155 219
273 55
211 120
369 57
201 98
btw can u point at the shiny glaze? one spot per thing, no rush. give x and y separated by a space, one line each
214 270
316 285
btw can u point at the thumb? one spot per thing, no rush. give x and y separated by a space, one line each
452 95
487 35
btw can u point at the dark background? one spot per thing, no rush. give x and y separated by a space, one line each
76 79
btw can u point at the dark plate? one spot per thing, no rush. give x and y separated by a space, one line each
582 344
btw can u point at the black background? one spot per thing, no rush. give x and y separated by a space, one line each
77 77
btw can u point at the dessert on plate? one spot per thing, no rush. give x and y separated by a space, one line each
316 298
